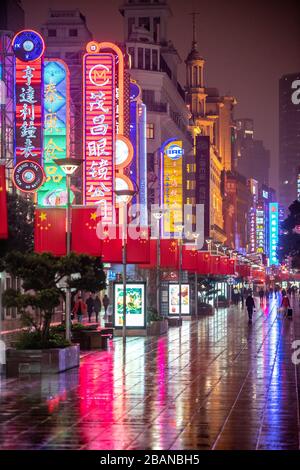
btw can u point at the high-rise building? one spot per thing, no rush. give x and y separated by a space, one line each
289 137
251 158
154 64
66 35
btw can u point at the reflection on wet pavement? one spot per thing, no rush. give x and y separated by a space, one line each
216 383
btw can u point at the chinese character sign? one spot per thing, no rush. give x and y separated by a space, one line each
28 95
56 132
273 232
172 185
203 178
260 229
99 130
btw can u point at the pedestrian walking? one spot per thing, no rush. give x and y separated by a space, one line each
261 294
285 304
90 303
79 309
250 305
105 301
97 307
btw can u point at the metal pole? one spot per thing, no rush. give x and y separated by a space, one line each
124 270
1 284
68 290
179 273
158 270
196 294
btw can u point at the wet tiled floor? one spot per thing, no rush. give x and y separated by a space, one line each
215 383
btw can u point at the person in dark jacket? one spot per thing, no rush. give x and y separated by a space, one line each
250 306
105 301
97 307
90 303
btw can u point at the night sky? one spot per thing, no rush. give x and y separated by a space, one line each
247 46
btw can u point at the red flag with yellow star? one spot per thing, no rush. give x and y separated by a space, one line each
203 262
84 231
138 245
112 245
189 258
50 231
153 256
169 253
3 204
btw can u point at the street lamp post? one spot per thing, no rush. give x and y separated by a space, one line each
180 228
68 166
196 236
124 195
158 216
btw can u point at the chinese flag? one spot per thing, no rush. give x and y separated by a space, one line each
138 250
112 247
50 231
3 204
215 264
153 255
169 253
84 231
224 265
189 258
203 262
231 266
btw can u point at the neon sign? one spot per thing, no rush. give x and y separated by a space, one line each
99 130
56 132
260 229
273 232
172 191
28 47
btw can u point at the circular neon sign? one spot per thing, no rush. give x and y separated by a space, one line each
28 45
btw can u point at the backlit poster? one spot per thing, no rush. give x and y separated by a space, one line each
135 305
174 299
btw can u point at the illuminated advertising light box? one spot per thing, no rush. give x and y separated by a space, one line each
135 305
273 233
202 177
28 48
260 229
174 299
172 188
99 131
56 132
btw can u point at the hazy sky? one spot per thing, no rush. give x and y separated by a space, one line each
247 46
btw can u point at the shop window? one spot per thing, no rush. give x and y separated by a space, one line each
150 130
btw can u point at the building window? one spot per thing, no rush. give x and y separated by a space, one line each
150 162
131 53
190 184
145 22
190 200
191 167
154 60
73 33
147 59
140 58
52 33
150 130
156 26
148 96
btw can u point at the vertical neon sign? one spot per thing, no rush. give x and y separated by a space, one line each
28 47
99 130
56 132
273 232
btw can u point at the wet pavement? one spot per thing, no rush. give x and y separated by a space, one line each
215 383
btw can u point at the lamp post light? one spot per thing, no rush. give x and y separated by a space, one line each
125 195
196 236
158 214
68 166
180 228
208 241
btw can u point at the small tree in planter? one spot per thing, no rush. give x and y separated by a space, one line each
156 324
41 275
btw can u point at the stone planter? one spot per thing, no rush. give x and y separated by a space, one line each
205 309
157 328
41 361
174 321
222 304
92 339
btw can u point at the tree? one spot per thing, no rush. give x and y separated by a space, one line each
20 225
44 278
289 240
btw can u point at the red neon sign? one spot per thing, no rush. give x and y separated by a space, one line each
99 130
28 95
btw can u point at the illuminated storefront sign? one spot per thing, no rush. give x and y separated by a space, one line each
260 229
298 185
203 178
174 299
252 230
99 130
28 47
56 132
172 188
273 233
135 305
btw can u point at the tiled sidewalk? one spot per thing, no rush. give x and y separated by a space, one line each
216 383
